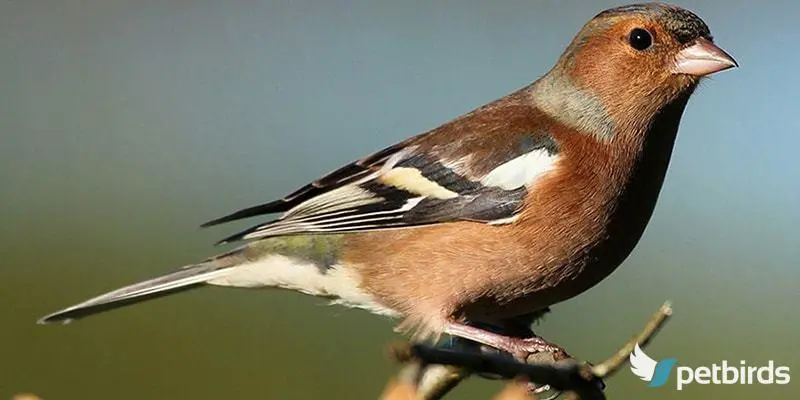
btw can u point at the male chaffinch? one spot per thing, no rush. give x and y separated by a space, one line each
494 216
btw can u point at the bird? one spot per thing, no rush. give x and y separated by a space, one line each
470 228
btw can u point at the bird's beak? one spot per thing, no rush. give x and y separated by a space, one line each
702 58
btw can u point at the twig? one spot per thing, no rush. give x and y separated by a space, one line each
562 375
438 380
25 396
396 390
613 363
515 390
432 381
439 370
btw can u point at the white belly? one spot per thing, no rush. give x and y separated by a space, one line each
336 282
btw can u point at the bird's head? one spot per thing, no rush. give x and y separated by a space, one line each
627 63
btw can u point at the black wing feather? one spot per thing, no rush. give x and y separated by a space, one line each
486 205
343 176
403 186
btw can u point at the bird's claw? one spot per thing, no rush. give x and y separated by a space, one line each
538 390
533 348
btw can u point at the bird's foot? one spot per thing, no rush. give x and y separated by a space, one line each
537 350
531 347
521 348
528 350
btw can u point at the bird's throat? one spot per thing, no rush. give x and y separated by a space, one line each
557 96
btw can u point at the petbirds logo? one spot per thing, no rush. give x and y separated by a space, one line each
657 372
650 370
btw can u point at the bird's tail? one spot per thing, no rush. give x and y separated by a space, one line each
183 279
304 263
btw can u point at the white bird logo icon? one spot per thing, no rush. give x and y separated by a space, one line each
647 369
642 365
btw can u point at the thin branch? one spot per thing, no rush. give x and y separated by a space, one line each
436 381
613 363
404 386
562 375
436 371
397 390
515 390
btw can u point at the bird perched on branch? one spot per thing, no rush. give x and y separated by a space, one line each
494 216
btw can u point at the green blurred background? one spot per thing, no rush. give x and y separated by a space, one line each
124 124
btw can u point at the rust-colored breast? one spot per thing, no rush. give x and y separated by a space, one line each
467 267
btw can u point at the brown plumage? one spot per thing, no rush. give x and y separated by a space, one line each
495 215
571 233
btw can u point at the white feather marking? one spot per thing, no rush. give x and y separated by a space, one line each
345 197
520 171
396 158
504 221
328 218
340 283
412 180
324 222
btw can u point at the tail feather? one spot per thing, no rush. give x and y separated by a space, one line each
183 279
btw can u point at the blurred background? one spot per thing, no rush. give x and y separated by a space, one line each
125 124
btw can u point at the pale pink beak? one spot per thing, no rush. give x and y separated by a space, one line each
702 58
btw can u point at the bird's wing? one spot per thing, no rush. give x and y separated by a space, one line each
410 184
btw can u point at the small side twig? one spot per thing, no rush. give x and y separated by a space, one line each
613 363
515 390
438 380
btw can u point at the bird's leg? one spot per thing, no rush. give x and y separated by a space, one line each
525 349
520 348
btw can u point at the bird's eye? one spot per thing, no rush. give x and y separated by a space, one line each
640 39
